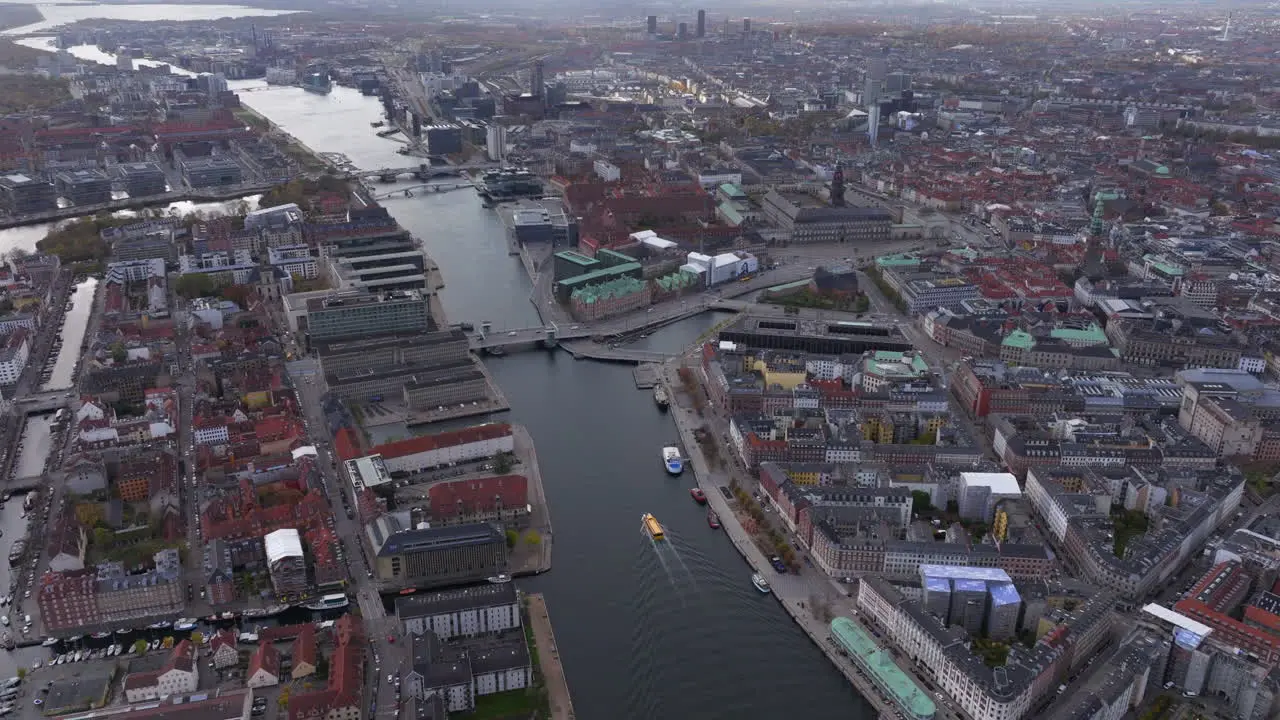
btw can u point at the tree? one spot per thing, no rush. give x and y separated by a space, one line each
22 672
533 538
140 647
118 353
502 463
197 638
284 698
920 501
194 285
512 537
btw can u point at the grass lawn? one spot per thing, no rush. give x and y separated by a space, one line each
512 704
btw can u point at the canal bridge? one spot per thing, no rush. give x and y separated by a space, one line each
45 401
426 171
549 336
427 188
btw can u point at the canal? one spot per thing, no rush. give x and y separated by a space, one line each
64 364
642 632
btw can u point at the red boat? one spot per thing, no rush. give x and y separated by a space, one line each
713 520
698 496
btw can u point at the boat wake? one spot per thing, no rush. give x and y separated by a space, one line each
673 565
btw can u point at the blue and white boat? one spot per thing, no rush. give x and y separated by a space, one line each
671 458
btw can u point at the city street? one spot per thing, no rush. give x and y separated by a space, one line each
386 656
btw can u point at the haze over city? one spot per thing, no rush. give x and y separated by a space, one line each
498 361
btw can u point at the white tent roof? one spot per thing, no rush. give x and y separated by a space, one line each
283 544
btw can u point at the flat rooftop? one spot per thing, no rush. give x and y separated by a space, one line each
874 659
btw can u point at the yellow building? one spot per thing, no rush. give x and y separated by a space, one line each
787 376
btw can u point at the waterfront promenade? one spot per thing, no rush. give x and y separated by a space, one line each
809 596
549 659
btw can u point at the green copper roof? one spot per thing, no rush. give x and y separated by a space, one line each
1019 339
904 260
888 676
1092 335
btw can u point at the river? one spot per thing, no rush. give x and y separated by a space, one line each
642 633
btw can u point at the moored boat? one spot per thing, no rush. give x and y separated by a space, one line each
672 460
329 602
652 526
713 520
499 579
50 642
761 584
698 496
660 397
100 635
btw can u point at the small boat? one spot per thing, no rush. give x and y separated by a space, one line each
50 642
660 397
671 459
408 591
652 526
713 520
228 615
74 639
101 635
698 496
4 619
499 579
160 626
153 645
123 631
761 584
181 626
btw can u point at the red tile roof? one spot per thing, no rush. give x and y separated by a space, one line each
266 657
470 497
426 443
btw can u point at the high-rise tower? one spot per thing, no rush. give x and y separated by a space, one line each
653 25
701 30
537 82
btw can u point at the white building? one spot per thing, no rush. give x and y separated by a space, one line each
14 355
495 145
134 270
715 177
294 260
465 612
212 432
981 492
607 171
213 261
178 676
448 448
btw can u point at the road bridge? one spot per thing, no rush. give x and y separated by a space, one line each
44 402
522 337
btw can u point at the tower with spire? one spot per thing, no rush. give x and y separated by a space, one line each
837 186
1093 266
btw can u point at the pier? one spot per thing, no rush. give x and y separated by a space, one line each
549 659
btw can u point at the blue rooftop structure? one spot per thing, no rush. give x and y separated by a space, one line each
1004 595
964 572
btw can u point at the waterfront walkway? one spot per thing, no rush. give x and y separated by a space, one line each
800 594
549 660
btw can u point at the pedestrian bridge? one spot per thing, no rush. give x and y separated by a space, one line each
44 402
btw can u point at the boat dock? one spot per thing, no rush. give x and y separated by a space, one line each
646 375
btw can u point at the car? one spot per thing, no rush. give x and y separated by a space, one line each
777 564
38 701
390 679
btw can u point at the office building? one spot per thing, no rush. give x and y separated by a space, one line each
443 139
84 187
701 30
434 557
350 315
141 179
496 142
682 31
651 25
21 194
465 612
287 563
202 172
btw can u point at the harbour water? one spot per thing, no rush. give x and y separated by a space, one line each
642 632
